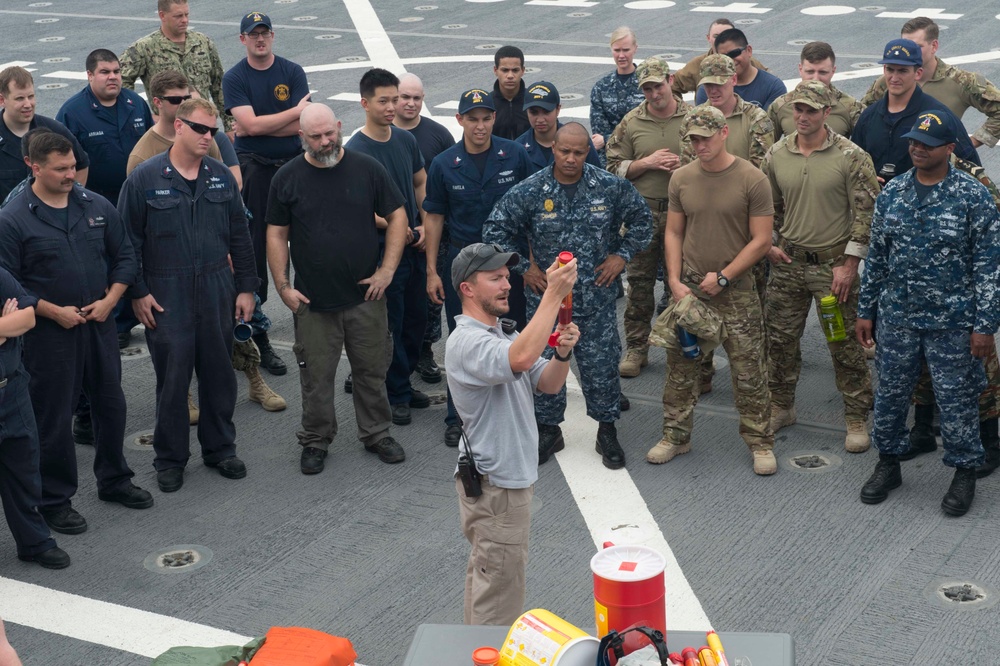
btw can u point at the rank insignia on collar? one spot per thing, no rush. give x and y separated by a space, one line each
457 159
501 153
549 205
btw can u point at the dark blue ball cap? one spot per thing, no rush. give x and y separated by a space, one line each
253 20
543 95
902 52
933 128
477 98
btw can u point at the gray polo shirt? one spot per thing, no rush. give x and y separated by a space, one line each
495 403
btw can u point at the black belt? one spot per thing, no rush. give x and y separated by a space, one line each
811 256
659 205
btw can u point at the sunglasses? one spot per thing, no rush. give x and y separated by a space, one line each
484 253
175 99
199 128
736 53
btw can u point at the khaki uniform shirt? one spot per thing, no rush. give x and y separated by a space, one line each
687 77
957 89
825 199
152 144
639 135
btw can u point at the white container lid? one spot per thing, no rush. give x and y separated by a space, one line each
627 563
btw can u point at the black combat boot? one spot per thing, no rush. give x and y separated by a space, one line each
607 445
922 434
427 366
886 477
991 444
269 359
550 440
960 494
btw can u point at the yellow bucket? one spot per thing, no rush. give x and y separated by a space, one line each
539 638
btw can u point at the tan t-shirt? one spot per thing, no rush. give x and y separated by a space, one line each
152 144
718 208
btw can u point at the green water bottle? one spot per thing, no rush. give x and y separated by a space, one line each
831 319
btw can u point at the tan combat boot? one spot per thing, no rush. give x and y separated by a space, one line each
635 360
782 417
664 452
764 463
193 411
857 440
261 393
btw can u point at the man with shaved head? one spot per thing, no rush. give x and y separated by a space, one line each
325 202
574 206
433 138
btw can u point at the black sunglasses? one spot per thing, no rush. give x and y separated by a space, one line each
199 128
736 53
175 99
484 253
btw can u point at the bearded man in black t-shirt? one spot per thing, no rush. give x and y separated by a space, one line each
321 212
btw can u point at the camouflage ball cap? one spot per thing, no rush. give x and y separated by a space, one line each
705 120
652 70
811 93
717 68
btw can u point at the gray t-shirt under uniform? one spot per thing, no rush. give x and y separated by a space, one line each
495 403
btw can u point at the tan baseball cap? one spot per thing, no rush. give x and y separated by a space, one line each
705 120
652 70
717 68
812 93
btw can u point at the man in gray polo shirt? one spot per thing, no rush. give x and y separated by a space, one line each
493 372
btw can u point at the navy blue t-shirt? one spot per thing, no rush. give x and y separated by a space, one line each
764 89
278 88
400 156
433 139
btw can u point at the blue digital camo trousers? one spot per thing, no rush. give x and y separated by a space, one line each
957 376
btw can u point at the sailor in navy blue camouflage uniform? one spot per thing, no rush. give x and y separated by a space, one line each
932 284
576 207
617 93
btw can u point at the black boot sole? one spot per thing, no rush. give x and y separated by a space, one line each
881 497
604 459
955 511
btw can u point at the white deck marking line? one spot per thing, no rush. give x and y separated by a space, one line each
380 50
119 627
609 499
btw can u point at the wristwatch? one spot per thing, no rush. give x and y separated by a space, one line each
722 280
564 359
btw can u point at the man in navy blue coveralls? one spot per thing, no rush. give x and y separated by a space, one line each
185 215
463 184
20 481
68 248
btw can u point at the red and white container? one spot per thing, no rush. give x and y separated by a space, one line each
629 589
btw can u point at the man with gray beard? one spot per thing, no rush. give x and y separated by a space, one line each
321 212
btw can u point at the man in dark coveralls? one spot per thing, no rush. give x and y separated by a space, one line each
68 248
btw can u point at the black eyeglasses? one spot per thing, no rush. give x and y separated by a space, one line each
262 34
199 128
736 53
175 99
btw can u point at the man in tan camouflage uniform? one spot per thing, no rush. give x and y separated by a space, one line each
817 63
719 223
956 88
821 229
922 435
645 148
687 77
750 136
173 46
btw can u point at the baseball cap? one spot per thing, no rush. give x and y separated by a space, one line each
477 98
479 257
252 20
543 95
717 68
811 93
902 52
652 70
705 120
933 128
